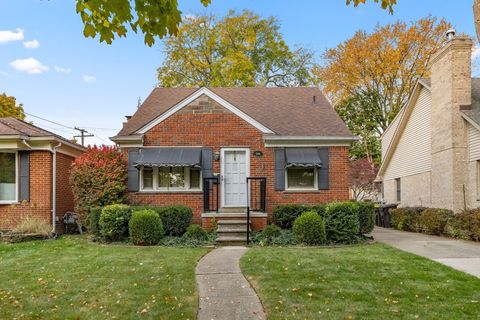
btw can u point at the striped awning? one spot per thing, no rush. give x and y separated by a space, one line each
169 157
302 157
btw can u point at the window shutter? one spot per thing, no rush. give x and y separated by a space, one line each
279 169
133 173
207 162
323 177
24 175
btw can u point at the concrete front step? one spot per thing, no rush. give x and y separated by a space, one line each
232 228
232 222
232 232
231 240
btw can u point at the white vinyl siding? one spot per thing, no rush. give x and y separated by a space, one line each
473 143
412 154
474 166
388 134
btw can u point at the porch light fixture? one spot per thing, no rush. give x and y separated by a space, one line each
216 156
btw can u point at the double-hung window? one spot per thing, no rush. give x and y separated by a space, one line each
8 177
301 178
170 179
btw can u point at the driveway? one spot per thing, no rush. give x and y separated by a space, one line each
458 254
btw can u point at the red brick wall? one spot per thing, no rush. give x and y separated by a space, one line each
39 205
64 191
219 129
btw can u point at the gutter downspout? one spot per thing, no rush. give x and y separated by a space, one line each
24 141
54 189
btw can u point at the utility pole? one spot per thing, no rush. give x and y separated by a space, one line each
83 134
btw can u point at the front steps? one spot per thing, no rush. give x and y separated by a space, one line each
233 210
232 232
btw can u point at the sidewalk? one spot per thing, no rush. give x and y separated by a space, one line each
224 292
458 254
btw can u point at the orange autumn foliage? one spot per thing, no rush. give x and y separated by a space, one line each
388 61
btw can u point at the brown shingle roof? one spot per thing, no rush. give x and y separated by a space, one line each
12 126
285 111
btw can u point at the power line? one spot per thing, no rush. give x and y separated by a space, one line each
56 129
108 129
58 124
65 126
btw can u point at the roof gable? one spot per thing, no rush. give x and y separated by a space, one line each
402 123
204 91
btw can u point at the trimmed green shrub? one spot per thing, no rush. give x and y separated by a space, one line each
321 209
366 216
433 221
284 216
175 219
405 219
309 228
145 228
465 225
341 222
269 234
194 231
456 228
113 222
93 220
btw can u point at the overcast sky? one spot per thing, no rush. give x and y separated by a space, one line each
47 64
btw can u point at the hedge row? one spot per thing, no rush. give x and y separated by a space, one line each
464 225
144 225
344 222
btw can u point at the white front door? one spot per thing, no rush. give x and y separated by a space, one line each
235 167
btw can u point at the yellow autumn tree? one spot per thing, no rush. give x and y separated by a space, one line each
10 108
387 61
237 50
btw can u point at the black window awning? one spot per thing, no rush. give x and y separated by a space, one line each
169 157
302 157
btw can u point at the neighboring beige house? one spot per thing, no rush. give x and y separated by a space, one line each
431 151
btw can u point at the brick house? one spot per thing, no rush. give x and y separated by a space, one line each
199 146
431 150
34 173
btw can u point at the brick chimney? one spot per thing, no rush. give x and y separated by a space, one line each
451 87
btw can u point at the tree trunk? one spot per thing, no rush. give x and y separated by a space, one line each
476 16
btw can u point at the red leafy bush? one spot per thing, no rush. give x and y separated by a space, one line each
362 177
98 178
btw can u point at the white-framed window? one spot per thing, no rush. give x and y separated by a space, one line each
170 179
8 177
301 178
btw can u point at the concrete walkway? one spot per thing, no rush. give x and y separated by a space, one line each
458 254
224 291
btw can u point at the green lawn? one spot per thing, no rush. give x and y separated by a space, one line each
71 278
358 282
